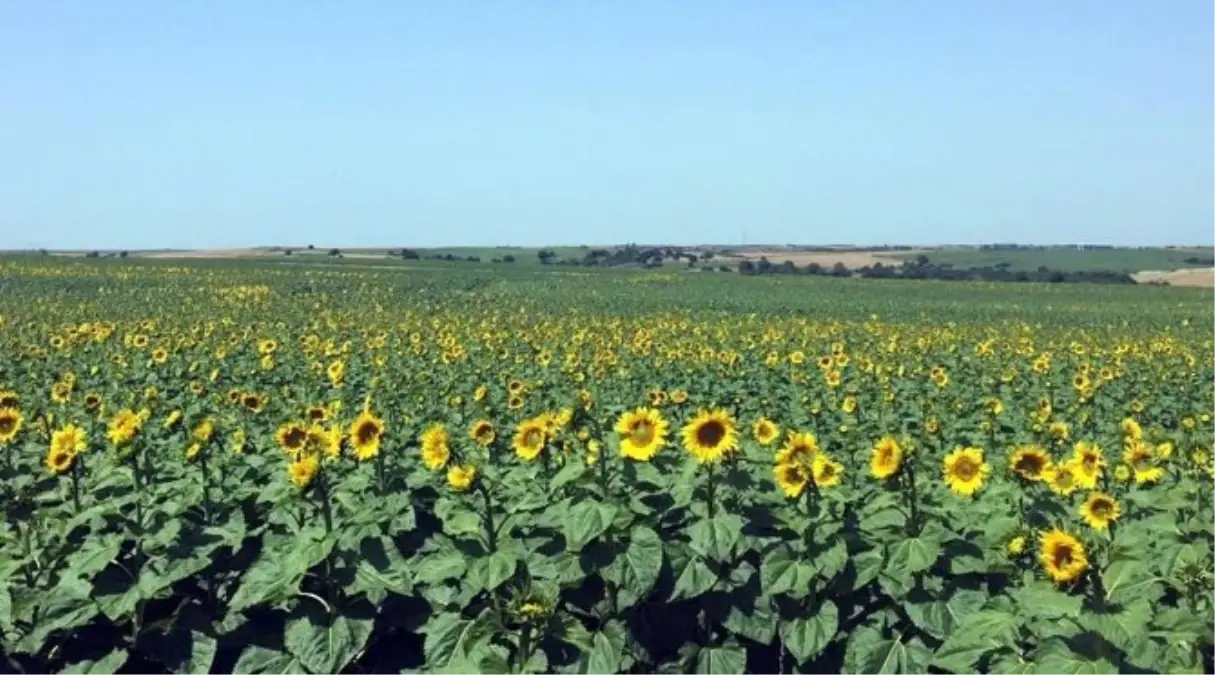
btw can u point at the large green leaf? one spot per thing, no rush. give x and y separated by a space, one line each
782 572
635 570
607 649
585 521
1128 580
939 618
257 660
491 571
438 567
1054 656
326 644
806 637
715 660
911 555
978 634
65 607
381 570
450 637
106 665
1043 601
695 579
716 537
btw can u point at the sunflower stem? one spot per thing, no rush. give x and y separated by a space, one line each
76 485
491 534
912 502
711 486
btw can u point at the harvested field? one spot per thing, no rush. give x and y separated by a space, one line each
1204 277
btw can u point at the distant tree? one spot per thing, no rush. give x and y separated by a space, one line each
335 252
311 247
706 255
287 252
746 267
93 254
409 255
122 254
840 270
508 258
546 256
43 251
473 258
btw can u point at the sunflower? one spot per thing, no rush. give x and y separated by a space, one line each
1059 431
1089 463
643 432
887 457
530 439
965 470
827 472
253 402
1063 478
239 438
1131 429
480 392
435 449
92 402
123 428
932 425
303 470
322 441
10 424
59 461
679 396
1029 462
365 434
765 431
70 439
159 355
1099 510
291 437
1062 556
514 402
1122 472
9 399
791 478
1152 474
317 413
849 405
710 435
482 433
61 392
460 478
203 431
193 451
799 448
1016 545
1137 454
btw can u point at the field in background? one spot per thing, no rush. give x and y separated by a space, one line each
1129 260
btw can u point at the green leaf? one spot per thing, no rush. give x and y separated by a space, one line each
381 570
978 634
781 572
805 638
268 581
64 607
830 562
1042 600
491 571
911 555
450 637
1128 580
569 473
716 537
751 617
721 660
886 656
585 521
1126 629
106 665
256 660
326 644
94 555
439 567
1054 656
940 618
867 565
695 580
607 649
636 570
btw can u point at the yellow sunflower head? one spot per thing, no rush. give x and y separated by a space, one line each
827 472
529 440
1029 462
461 477
291 437
302 471
10 424
482 433
886 459
1062 556
642 432
1099 510
435 449
765 431
365 434
59 461
710 435
799 448
1063 477
791 478
965 471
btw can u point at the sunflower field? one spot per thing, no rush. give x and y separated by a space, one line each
272 468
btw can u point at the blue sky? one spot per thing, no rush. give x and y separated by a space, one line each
147 124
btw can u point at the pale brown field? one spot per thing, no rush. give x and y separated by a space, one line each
1204 277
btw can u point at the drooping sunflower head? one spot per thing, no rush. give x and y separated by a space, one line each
965 471
59 461
321 441
482 433
1131 429
765 431
1099 510
887 457
10 424
1029 462
123 428
61 392
317 413
1062 556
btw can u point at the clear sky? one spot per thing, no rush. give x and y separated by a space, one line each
216 123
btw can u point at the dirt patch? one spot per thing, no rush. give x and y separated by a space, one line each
205 253
851 259
1203 277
